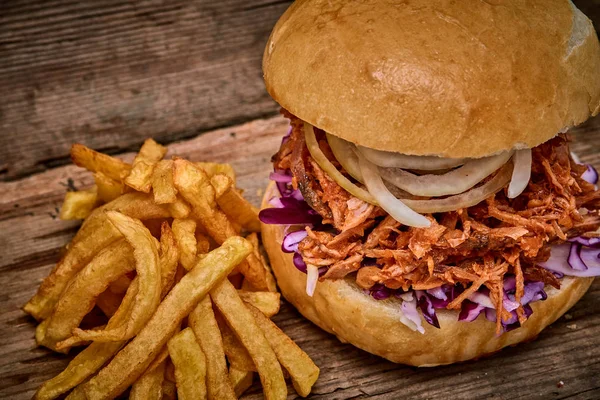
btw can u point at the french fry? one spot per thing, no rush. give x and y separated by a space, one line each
147 267
150 384
80 296
168 258
202 243
203 323
179 209
78 205
194 185
236 353
240 379
140 176
234 205
302 369
250 334
162 183
95 234
134 359
120 285
108 188
94 161
185 236
90 359
266 302
190 365
108 302
169 390
213 169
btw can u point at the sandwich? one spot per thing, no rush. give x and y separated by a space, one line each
425 205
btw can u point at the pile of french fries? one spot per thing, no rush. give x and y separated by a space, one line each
186 298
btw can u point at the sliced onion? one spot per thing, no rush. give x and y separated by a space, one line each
521 173
453 182
312 277
291 241
344 153
463 200
330 169
409 309
397 160
396 208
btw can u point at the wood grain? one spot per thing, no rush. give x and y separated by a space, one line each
31 238
111 73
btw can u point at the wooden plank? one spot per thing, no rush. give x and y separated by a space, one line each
31 238
111 73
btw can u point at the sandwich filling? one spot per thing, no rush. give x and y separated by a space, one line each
492 256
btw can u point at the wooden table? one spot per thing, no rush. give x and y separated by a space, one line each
111 73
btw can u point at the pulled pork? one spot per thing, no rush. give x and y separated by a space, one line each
473 247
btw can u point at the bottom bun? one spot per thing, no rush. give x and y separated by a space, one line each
340 307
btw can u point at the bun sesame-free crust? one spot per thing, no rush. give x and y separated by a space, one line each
446 78
341 308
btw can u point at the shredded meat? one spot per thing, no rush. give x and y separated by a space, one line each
473 247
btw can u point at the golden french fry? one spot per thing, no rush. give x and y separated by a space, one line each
250 334
185 236
266 302
202 243
213 169
93 357
240 379
169 390
120 285
147 267
80 296
94 161
190 365
140 176
108 189
302 369
169 256
203 323
90 359
234 205
179 209
108 302
150 384
78 205
194 185
95 234
170 370
162 183
134 359
236 353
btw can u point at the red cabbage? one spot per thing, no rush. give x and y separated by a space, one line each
291 240
590 175
426 307
562 259
470 311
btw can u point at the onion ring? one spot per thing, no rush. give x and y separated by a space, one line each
393 206
397 160
453 182
521 173
344 154
330 169
466 199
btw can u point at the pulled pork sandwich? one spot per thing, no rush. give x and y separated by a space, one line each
425 205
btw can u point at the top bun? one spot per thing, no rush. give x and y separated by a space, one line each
446 78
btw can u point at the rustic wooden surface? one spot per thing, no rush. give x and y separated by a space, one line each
111 73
